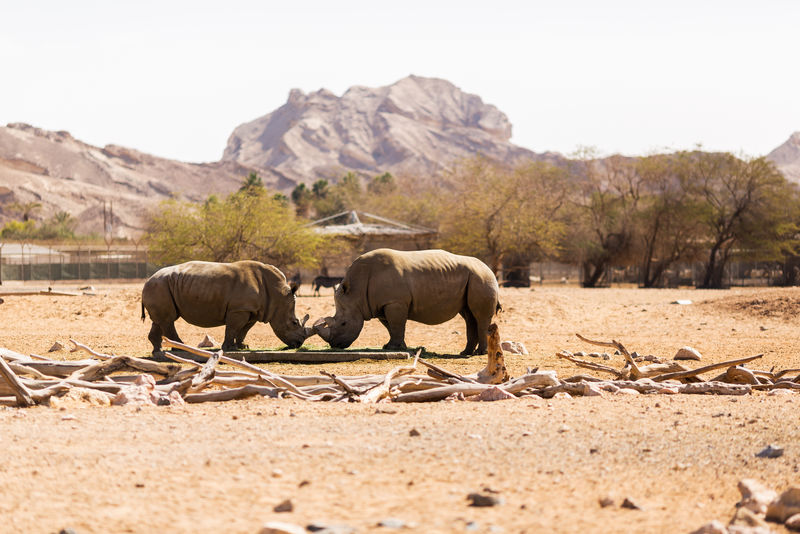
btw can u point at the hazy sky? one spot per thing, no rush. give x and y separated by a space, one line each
174 78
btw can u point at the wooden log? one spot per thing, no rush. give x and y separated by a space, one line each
80 346
232 394
21 392
618 373
439 372
11 356
384 389
538 379
635 371
58 369
119 363
694 372
206 374
495 371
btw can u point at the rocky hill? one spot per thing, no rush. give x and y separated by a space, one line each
62 173
787 157
416 125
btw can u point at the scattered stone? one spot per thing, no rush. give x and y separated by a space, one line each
755 496
744 517
322 528
67 531
714 527
785 506
605 502
480 500
629 504
277 472
682 302
472 526
56 347
562 395
593 355
770 451
793 523
141 393
414 433
563 428
580 354
590 389
514 347
1 301
285 506
687 353
494 393
392 522
208 341
276 527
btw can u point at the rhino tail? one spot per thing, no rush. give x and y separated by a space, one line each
498 308
142 311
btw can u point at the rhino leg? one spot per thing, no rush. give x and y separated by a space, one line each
239 337
162 329
472 332
235 329
394 319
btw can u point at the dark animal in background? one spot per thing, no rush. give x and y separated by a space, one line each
295 281
325 281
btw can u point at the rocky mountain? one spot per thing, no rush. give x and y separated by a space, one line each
62 173
787 157
416 125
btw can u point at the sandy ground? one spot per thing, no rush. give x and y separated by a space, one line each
224 467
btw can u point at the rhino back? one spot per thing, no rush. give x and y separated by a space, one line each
204 292
433 283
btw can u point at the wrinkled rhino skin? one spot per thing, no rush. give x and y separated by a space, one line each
208 294
427 286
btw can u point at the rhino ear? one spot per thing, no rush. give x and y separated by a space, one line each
294 288
345 287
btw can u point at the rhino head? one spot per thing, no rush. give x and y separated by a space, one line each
284 321
344 327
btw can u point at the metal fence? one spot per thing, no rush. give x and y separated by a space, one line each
22 262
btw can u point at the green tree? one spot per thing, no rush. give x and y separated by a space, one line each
246 225
493 211
252 184
605 195
302 197
747 207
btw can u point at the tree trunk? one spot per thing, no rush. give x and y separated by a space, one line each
593 273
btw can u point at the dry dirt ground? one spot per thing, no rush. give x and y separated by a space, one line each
224 467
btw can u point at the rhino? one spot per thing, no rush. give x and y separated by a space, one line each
210 294
427 286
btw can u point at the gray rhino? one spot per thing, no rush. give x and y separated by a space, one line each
210 294
427 286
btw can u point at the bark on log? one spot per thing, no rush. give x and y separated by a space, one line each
539 379
22 394
495 371
232 394
700 370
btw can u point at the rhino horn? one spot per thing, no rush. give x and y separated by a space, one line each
322 328
303 322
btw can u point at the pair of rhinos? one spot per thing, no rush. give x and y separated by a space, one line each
427 286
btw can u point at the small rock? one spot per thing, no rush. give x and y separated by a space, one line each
563 428
580 354
414 433
391 522
785 506
480 500
687 353
593 355
494 393
56 347
322 528
285 506
562 395
590 389
755 496
770 451
782 393
514 347
208 341
1 301
793 523
67 531
747 518
629 504
714 527
78 396
276 527
472 526
606 501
